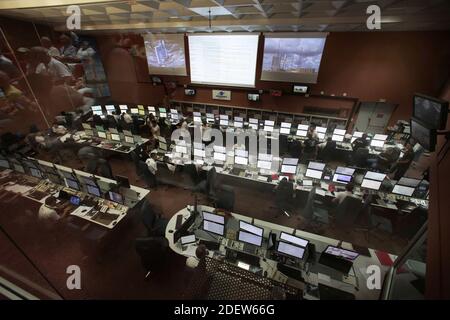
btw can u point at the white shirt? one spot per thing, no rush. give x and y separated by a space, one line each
53 52
207 134
47 213
340 196
152 166
127 118
56 68
85 53
192 262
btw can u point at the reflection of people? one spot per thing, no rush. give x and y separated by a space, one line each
8 67
67 50
47 44
45 64
85 52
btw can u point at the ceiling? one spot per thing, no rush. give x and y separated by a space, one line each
233 15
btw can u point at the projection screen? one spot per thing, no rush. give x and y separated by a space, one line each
292 57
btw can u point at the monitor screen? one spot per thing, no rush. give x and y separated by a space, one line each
291 250
340 132
72 184
213 217
251 228
188 239
197 119
313 174
189 92
345 170
110 107
129 139
270 123
337 138
303 127
93 190
341 178
116 197
89 181
210 115
238 124
199 153
253 120
431 111
75 200
226 59
253 126
36 173
264 164
250 238
316 165
343 253
302 133
134 110
321 129
181 149
268 129
371 184
162 110
220 156
410 182
253 97
162 115
241 153
101 134
223 122
285 130
424 136
293 239
358 134
286 125
375 176
220 149
265 157
403 190
288 169
213 227
380 137
241 160
377 143
290 161
115 137
123 107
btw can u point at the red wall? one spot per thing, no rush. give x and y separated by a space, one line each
365 65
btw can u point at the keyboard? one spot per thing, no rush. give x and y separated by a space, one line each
290 272
248 248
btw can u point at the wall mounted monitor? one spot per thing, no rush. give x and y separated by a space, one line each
296 88
290 250
432 112
253 97
426 137
223 59
189 92
293 239
288 169
213 227
316 165
343 253
292 57
250 238
213 217
165 54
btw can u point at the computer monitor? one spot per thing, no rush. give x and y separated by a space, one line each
293 239
337 138
296 88
241 160
410 182
101 134
268 129
341 178
190 238
220 156
286 125
213 217
88 181
129 139
290 161
380 137
403 190
122 181
253 97
302 133
241 153
426 137
343 253
357 134
431 111
199 153
123 108
288 169
36 173
110 108
55 178
93 190
310 173
72 184
377 143
210 115
345 170
223 122
173 111
290 250
75 200
316 165
251 228
197 119
213 227
181 149
162 110
97 110
285 130
303 127
269 123
371 184
238 124
238 119
116 197
374 176
151 110
250 238
340 132
321 129
253 120
115 137
223 117
264 164
18 167
321 135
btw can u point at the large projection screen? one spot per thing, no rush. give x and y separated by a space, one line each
223 59
165 54
292 57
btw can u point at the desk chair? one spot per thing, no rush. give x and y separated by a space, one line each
328 152
347 212
295 149
284 194
225 198
154 223
359 157
208 186
153 252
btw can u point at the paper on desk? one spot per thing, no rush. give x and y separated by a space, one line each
321 192
81 211
18 188
324 185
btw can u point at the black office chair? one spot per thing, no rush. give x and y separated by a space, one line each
225 198
191 170
295 149
154 223
153 252
208 186
104 169
360 156
328 152
347 212
283 198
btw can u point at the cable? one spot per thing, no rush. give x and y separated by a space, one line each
31 262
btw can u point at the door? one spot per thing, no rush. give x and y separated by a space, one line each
373 117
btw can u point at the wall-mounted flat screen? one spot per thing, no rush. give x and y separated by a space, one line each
431 111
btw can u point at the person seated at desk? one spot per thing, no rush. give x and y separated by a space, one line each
154 129
404 162
151 162
199 261
47 211
360 142
340 196
310 147
127 118
312 132
206 133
